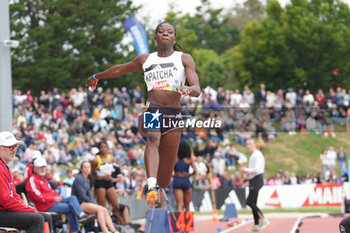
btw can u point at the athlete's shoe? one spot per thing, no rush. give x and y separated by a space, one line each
255 228
151 196
264 223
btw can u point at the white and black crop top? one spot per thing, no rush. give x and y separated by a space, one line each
164 73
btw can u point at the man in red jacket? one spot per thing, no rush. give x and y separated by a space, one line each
45 199
30 165
13 211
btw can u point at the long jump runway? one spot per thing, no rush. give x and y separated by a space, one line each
311 224
278 224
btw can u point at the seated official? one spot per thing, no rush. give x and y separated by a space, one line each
45 199
13 211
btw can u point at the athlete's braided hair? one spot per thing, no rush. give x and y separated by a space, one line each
184 150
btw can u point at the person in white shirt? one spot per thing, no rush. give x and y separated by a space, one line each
236 98
291 97
255 173
308 98
219 164
332 158
248 95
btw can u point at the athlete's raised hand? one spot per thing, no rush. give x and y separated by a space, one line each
92 83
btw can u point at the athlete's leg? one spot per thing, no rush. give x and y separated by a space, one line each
179 197
152 154
188 198
168 148
151 151
113 199
101 196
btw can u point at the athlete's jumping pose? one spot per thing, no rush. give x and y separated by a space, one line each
165 72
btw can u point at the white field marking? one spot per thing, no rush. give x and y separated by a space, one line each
295 227
238 226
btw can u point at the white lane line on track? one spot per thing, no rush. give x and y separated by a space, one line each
238 226
296 225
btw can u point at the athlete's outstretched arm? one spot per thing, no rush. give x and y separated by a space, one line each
193 88
118 70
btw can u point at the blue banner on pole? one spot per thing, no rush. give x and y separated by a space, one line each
138 34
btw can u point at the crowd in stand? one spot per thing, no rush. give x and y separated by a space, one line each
67 127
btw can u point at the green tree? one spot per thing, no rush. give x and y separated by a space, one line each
207 29
304 42
241 15
211 68
65 41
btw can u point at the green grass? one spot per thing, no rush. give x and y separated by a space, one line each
300 153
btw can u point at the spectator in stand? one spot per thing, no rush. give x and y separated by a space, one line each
325 162
221 96
124 97
319 178
261 95
332 157
137 96
286 178
320 98
201 178
77 97
236 180
312 125
346 98
69 180
82 190
294 179
45 199
340 97
242 136
341 157
29 167
291 97
56 97
219 164
279 178
248 95
13 211
271 181
231 156
289 121
260 142
280 95
99 97
332 96
300 97
270 99
308 98
236 98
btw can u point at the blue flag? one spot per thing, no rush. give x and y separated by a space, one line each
138 34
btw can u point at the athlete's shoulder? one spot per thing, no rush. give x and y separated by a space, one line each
187 59
141 58
186 56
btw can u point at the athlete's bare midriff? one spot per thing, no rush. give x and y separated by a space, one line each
169 99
